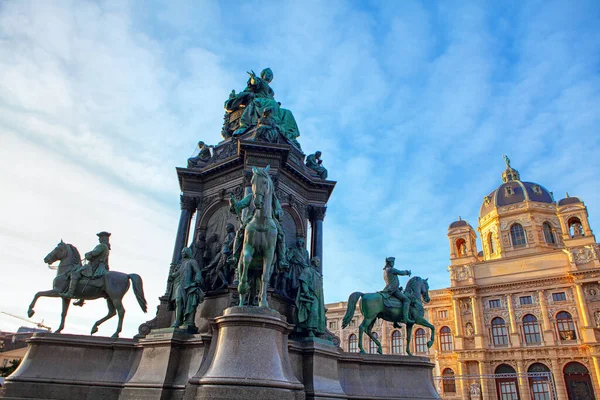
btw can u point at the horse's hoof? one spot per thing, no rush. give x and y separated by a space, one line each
94 330
30 313
264 304
379 351
363 352
115 335
429 344
57 331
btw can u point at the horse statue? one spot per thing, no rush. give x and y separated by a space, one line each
112 286
372 307
260 239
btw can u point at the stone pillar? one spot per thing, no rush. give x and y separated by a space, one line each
559 380
485 385
523 381
477 323
462 384
317 214
457 325
587 331
548 333
188 205
515 338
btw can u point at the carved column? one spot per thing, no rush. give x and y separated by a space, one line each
548 333
477 320
188 205
463 384
317 214
483 370
559 381
514 333
523 381
587 331
457 325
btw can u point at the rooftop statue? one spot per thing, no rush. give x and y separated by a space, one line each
314 162
388 306
202 158
89 282
254 99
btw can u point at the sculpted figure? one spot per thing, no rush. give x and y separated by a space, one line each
267 128
185 289
463 249
475 389
314 162
393 288
257 96
202 158
298 259
470 330
211 251
97 265
220 267
310 306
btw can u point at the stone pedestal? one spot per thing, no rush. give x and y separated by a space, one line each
249 359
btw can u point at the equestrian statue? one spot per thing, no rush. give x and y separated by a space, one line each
89 281
392 304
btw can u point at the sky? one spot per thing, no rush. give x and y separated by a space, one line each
411 103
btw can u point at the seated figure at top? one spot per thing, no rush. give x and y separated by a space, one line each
314 162
257 96
202 158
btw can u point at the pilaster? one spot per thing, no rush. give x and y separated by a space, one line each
548 333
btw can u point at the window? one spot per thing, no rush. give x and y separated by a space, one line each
565 326
332 324
397 342
524 300
548 234
531 329
491 243
372 344
449 384
446 339
443 314
352 344
509 191
560 296
420 341
495 303
539 385
575 227
536 189
506 385
499 332
461 247
517 235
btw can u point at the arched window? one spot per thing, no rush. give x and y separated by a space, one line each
491 243
448 383
565 326
397 342
539 381
548 233
578 382
446 339
499 332
506 383
531 329
352 344
517 235
420 341
372 344
575 227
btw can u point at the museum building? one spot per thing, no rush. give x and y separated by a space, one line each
520 319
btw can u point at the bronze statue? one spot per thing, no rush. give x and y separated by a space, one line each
298 259
314 162
186 290
261 234
220 267
96 266
267 130
112 286
393 288
310 305
373 307
202 158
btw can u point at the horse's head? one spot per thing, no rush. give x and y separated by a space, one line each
419 287
262 186
59 253
425 290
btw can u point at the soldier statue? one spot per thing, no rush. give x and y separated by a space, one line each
299 259
237 207
310 305
314 162
393 288
185 290
219 268
96 266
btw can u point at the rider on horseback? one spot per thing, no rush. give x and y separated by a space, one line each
393 288
96 266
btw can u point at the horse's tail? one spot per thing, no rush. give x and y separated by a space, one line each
138 290
352 300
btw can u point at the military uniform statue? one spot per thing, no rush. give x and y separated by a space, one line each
96 266
185 290
219 268
393 288
314 162
310 303
237 207
299 259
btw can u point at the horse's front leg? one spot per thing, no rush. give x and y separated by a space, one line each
265 278
361 330
247 253
409 328
63 315
46 293
422 321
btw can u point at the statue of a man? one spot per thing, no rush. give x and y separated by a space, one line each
314 162
96 266
186 289
267 129
299 259
219 268
237 207
202 158
310 303
393 288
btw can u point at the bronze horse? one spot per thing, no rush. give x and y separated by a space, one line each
112 286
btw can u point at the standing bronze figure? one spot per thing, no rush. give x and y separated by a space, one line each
112 286
185 290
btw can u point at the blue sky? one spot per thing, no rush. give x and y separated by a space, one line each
411 103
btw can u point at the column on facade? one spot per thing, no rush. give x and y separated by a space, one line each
548 333
515 339
485 387
317 214
559 381
457 325
595 374
188 206
587 331
523 381
463 384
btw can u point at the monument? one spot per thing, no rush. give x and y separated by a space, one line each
243 312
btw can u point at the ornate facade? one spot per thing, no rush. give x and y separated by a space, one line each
521 318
